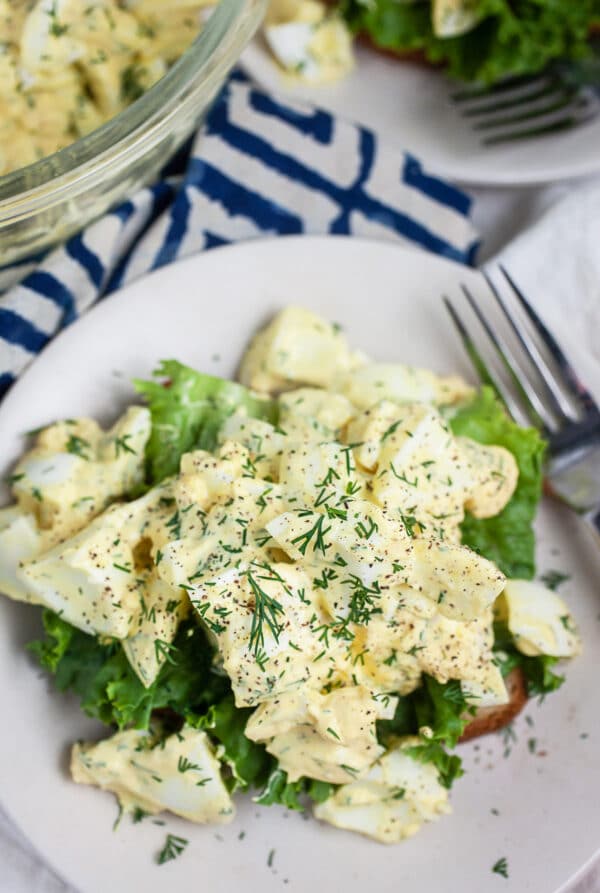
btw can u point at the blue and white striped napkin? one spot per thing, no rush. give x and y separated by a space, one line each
261 166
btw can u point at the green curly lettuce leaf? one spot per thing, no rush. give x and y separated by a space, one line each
511 38
507 539
249 762
101 676
439 707
186 687
292 794
188 409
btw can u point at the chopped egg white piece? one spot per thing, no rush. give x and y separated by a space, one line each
91 579
538 619
308 40
310 468
372 382
313 414
179 773
296 348
392 801
488 690
494 474
330 737
148 644
462 583
20 540
275 599
260 438
75 470
451 18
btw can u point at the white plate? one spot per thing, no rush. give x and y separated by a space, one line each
409 106
202 311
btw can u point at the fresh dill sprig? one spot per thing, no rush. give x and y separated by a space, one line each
266 610
78 446
316 533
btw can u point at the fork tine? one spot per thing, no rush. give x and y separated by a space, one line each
540 416
504 86
569 98
522 99
480 367
560 405
570 376
576 118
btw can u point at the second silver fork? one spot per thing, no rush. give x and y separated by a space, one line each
541 388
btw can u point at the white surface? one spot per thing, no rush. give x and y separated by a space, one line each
409 106
388 300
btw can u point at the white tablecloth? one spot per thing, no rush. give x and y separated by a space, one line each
499 215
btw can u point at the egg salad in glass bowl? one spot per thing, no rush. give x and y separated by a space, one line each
309 585
67 67
96 97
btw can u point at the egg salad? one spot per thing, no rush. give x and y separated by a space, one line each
303 584
309 40
68 66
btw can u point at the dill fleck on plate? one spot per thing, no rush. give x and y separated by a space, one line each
174 847
501 867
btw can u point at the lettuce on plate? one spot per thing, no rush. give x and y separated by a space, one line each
511 37
188 409
508 539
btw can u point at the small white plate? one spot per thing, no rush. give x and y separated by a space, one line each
408 105
202 311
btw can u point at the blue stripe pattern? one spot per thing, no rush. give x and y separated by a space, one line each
15 329
50 286
78 251
437 189
311 122
261 166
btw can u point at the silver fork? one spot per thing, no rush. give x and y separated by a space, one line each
520 108
542 389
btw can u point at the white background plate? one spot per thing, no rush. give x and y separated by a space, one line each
408 105
202 311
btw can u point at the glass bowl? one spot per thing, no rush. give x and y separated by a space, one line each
46 202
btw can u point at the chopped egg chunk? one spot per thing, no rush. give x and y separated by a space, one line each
330 737
91 580
75 470
539 619
261 617
179 773
20 540
297 348
309 41
372 382
451 18
392 801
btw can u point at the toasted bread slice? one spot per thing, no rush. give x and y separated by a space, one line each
490 719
